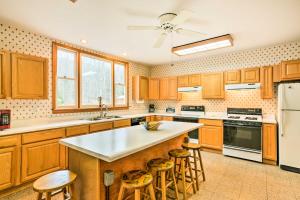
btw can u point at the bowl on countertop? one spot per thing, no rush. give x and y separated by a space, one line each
151 126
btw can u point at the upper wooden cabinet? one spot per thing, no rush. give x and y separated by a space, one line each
276 73
29 77
168 88
4 74
250 75
270 142
140 88
232 77
266 80
290 70
153 88
213 86
189 80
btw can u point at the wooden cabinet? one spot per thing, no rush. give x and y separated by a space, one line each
213 86
77 130
232 77
140 88
250 75
168 88
153 88
266 80
10 156
102 126
183 81
211 134
290 70
276 73
42 153
189 80
5 76
167 118
122 123
29 77
270 142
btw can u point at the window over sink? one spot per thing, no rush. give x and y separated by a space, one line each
80 78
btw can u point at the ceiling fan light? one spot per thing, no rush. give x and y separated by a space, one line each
204 45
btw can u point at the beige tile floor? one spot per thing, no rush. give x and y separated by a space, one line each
231 179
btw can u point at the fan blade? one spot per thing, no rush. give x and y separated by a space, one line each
189 32
143 28
160 40
181 17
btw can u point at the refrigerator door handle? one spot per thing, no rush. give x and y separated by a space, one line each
282 124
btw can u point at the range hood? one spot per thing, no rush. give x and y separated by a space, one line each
244 86
189 89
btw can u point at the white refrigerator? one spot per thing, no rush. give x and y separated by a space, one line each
289 126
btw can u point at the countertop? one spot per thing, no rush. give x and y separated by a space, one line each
114 144
38 125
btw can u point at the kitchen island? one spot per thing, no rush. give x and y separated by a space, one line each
119 150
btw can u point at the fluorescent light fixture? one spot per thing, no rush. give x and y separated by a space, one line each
83 41
204 45
124 54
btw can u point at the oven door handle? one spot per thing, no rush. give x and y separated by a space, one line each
239 126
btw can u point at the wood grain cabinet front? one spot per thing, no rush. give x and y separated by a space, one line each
10 155
290 70
168 88
211 134
250 75
77 130
270 142
140 88
266 80
29 77
213 86
102 126
232 77
5 76
183 81
153 88
122 123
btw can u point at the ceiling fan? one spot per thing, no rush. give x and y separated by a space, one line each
168 24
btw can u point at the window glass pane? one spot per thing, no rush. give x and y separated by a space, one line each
65 95
120 84
66 61
96 81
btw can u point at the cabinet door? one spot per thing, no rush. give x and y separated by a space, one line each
41 158
9 166
144 88
250 75
211 137
183 81
213 86
270 142
101 126
290 70
172 88
122 123
194 80
29 77
153 89
276 73
77 130
266 79
163 88
5 75
232 77
167 118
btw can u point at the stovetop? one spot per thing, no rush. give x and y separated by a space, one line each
245 114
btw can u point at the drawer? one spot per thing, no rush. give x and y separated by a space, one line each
9 141
77 130
101 126
122 123
167 118
42 135
211 122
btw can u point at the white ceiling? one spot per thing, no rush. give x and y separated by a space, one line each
252 23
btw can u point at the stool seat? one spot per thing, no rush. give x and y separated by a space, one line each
191 146
137 179
160 164
54 181
179 153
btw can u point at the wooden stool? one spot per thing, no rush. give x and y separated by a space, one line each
196 157
137 180
55 182
184 167
161 166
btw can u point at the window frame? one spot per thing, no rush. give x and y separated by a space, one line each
79 107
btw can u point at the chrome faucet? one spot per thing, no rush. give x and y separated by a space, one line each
101 106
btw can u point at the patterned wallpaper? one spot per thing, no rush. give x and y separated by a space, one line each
241 59
22 41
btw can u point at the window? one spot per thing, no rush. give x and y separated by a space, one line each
80 78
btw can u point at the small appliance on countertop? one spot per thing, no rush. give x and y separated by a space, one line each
4 119
151 108
170 110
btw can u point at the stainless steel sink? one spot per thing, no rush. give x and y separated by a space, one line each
102 118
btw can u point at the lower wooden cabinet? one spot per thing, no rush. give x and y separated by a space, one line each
270 142
122 123
167 118
41 158
77 130
102 126
211 134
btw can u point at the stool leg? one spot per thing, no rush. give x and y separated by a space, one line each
48 196
163 185
137 194
196 168
191 174
121 193
182 164
175 184
151 192
201 164
39 196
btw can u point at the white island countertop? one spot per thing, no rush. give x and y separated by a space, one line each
118 143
